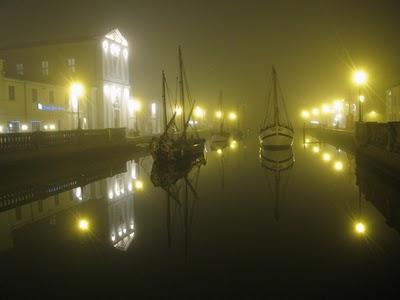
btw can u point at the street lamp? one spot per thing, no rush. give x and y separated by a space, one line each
360 79
305 115
218 114
232 116
77 90
137 107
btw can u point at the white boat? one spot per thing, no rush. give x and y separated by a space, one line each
276 130
222 136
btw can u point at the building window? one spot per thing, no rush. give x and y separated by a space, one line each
51 97
45 68
34 95
36 126
11 93
20 69
71 65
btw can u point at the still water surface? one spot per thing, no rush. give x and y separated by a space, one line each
230 225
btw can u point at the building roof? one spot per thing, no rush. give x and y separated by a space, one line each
114 34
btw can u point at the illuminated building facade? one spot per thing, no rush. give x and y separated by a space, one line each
36 79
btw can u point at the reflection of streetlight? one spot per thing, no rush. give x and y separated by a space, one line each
219 151
360 79
338 166
315 149
83 224
218 114
360 228
138 184
315 112
77 90
326 157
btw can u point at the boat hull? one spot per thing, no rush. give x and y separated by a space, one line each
220 138
276 159
178 152
276 137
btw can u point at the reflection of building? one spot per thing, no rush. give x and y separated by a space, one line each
108 204
393 104
120 195
23 215
36 87
381 191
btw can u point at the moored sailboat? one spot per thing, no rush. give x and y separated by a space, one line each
174 144
276 130
222 135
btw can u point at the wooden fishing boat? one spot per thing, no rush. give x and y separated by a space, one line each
175 144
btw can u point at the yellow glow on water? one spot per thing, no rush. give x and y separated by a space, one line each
219 151
360 228
83 225
307 140
315 149
233 144
326 157
138 185
338 166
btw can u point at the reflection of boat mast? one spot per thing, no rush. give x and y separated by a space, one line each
277 163
178 180
277 202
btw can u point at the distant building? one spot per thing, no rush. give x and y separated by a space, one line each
35 83
393 104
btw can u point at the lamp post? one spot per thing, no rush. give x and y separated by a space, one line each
137 106
360 79
77 90
305 115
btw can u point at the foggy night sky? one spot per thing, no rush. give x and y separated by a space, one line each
231 45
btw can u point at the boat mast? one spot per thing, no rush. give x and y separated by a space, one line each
164 101
276 109
182 90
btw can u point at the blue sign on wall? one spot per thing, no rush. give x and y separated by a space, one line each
41 106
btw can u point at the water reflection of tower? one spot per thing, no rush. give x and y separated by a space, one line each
277 164
179 181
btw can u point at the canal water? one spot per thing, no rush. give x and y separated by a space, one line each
240 222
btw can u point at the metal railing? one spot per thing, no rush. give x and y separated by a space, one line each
33 141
